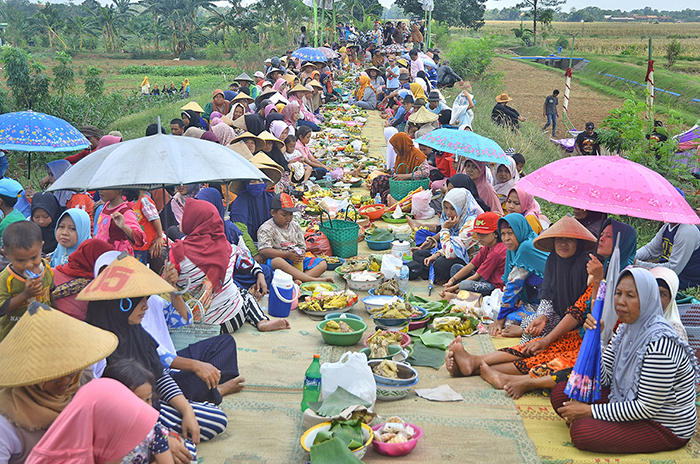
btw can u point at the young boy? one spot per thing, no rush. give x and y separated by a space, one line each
27 277
10 191
281 242
519 163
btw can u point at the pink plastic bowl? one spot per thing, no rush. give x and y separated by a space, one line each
397 449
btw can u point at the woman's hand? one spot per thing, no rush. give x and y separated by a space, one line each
536 326
590 323
170 274
403 176
190 426
430 259
573 410
208 373
181 454
496 328
450 222
595 268
536 346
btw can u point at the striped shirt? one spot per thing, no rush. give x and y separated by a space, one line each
665 393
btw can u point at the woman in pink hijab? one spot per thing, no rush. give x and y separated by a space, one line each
519 201
102 424
476 170
223 131
279 129
291 115
281 86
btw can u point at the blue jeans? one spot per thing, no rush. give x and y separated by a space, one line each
551 119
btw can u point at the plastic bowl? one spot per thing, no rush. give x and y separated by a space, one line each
419 324
380 245
407 374
363 286
373 292
378 301
343 339
332 266
342 316
306 287
393 351
421 313
372 215
405 339
307 439
397 449
394 392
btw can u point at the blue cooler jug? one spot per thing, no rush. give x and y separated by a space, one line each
283 294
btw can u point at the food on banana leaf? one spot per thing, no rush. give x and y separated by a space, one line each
455 325
387 369
327 301
353 266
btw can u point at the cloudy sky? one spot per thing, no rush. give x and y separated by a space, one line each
609 4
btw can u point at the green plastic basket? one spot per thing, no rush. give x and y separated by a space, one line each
400 188
342 234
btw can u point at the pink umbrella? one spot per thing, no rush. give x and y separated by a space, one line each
609 184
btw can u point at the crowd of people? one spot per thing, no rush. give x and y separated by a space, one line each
105 259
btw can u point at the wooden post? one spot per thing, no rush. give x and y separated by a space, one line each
650 85
315 24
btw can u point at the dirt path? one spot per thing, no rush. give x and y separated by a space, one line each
528 86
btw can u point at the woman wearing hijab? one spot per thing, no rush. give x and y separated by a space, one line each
251 209
280 130
329 93
521 202
237 110
652 375
73 276
365 96
103 423
408 156
389 132
254 123
668 289
476 170
457 220
291 116
422 79
416 35
281 86
272 115
591 220
45 213
223 132
205 255
38 380
218 103
506 177
191 120
172 212
72 229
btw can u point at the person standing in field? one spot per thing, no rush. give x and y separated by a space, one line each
303 42
549 111
587 141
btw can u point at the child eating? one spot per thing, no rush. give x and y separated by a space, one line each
117 223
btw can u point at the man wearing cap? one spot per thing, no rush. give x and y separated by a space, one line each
93 134
10 191
504 115
587 141
434 103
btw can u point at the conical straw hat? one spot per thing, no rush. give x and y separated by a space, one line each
567 227
194 106
268 166
243 77
259 142
242 149
423 116
298 88
47 344
242 97
126 277
315 83
266 136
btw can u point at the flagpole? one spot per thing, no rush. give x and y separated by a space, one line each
650 84
567 89
335 24
315 24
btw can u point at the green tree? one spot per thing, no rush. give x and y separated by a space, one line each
458 13
673 51
94 83
534 7
63 76
25 77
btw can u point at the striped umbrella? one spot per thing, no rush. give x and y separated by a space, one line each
465 143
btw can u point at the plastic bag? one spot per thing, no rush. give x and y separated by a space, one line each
317 243
337 173
391 266
352 373
333 206
421 205
491 305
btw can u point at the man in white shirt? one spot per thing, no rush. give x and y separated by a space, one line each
416 63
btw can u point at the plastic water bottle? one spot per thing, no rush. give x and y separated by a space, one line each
328 177
378 199
403 278
312 383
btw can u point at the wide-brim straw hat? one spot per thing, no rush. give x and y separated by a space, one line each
268 166
239 123
307 64
259 142
315 83
266 94
423 116
372 68
226 120
47 345
503 98
272 70
567 227
242 97
268 137
242 149
194 106
298 88
243 77
125 277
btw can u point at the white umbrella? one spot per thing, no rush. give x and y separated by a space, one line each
157 161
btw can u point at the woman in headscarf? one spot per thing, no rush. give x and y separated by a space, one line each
279 129
389 132
416 36
206 255
171 216
668 289
291 116
223 132
66 198
39 380
422 79
329 93
407 155
254 123
218 103
398 35
271 114
521 202
506 177
476 170
145 86
73 276
365 96
251 209
45 212
652 375
281 86
591 220
457 220
237 110
191 120
72 229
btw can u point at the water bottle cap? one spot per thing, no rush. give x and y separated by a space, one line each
317 356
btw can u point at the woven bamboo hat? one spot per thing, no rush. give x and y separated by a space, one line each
298 88
567 227
259 142
243 77
315 83
423 116
226 120
242 149
194 106
126 277
242 97
47 344
266 136
268 166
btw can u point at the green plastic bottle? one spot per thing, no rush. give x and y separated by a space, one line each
312 383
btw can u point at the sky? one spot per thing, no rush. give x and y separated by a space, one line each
670 5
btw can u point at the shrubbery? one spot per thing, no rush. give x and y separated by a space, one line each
470 57
180 70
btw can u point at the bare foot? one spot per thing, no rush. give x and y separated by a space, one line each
517 386
449 296
468 363
455 341
512 331
451 365
277 324
492 376
232 386
412 223
326 279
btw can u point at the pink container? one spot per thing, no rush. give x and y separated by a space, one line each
397 449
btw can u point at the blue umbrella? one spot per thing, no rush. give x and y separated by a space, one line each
465 143
310 54
584 381
31 131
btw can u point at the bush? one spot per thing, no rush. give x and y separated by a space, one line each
215 52
180 70
471 57
562 42
94 84
673 51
